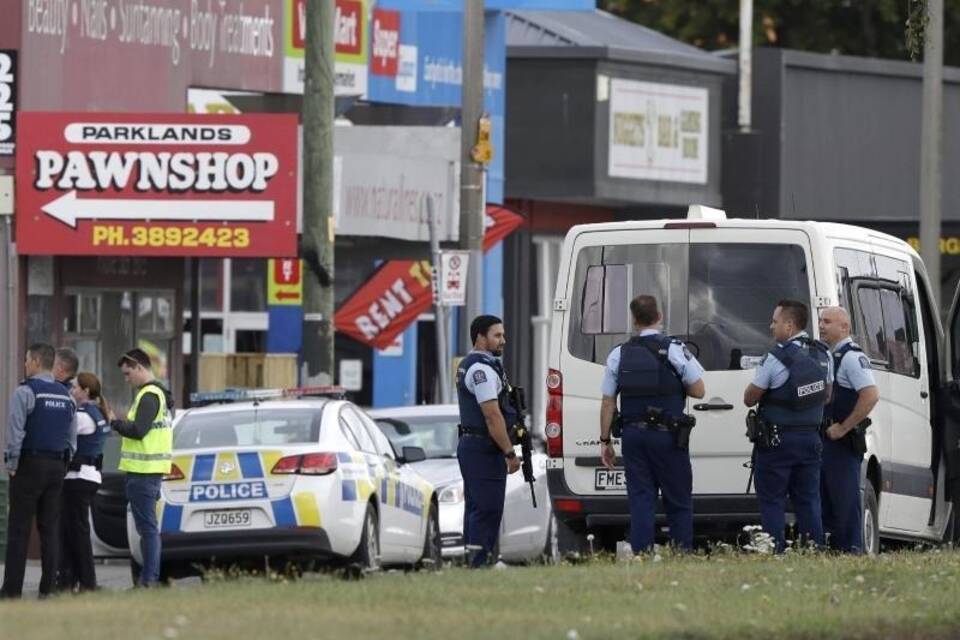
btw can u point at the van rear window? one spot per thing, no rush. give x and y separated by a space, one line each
716 297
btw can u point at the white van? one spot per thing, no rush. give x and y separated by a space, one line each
717 281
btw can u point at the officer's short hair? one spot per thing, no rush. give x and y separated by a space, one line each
44 353
644 310
482 324
796 311
68 360
135 357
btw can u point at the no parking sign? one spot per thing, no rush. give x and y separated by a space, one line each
452 283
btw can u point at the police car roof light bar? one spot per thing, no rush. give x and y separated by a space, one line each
240 395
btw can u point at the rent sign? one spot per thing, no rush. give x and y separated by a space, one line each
156 184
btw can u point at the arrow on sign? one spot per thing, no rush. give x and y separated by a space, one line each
288 295
68 209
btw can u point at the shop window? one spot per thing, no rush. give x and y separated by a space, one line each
251 341
211 285
248 285
82 313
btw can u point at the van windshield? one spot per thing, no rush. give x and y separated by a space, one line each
718 297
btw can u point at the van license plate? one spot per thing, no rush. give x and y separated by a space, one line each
610 479
227 518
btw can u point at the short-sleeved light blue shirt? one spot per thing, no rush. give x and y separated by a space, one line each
854 371
482 380
689 369
772 374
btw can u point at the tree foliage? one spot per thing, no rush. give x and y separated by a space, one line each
876 28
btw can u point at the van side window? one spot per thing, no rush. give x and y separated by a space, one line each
897 332
870 334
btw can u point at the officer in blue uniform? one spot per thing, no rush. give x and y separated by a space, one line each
653 375
855 395
485 452
41 436
81 484
791 386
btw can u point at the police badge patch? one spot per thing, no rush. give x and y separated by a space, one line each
479 377
864 363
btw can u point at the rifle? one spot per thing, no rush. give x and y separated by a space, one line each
519 404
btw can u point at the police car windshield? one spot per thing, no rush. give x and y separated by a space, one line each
436 435
248 428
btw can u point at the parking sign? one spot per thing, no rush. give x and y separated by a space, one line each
452 284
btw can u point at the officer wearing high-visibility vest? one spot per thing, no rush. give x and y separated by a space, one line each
653 374
145 454
41 437
791 386
485 452
855 395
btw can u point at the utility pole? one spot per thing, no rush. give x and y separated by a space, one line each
745 59
439 311
317 242
471 172
931 144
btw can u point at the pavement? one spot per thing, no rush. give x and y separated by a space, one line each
111 574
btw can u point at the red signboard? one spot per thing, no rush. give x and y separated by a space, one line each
385 42
401 290
387 303
156 184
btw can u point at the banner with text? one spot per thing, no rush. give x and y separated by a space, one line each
156 184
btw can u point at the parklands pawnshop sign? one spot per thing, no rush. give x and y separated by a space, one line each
156 184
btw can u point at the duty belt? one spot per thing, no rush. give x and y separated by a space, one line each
474 431
43 453
646 426
797 427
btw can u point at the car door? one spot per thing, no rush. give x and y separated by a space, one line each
391 540
407 493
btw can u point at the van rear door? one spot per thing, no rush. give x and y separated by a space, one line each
717 288
736 278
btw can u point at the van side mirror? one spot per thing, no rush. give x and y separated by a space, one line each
412 454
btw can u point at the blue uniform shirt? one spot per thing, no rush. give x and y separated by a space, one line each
482 381
773 375
854 372
682 360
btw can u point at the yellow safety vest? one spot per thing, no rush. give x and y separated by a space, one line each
154 453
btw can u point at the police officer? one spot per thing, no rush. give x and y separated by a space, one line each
41 436
854 397
651 371
485 452
145 454
792 386
65 366
81 485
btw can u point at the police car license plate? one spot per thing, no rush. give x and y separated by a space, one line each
227 518
610 479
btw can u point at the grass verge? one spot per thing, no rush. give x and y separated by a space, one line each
897 595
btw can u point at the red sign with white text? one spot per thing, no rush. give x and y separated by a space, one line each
398 292
385 42
387 303
156 184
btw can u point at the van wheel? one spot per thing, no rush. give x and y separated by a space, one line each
871 521
569 542
367 555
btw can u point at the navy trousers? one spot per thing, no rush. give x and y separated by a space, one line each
791 469
484 472
840 495
653 464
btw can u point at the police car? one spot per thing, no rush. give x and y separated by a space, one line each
275 474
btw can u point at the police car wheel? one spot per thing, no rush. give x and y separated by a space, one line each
551 548
871 521
432 558
367 554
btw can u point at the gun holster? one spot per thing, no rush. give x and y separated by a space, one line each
683 427
616 427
